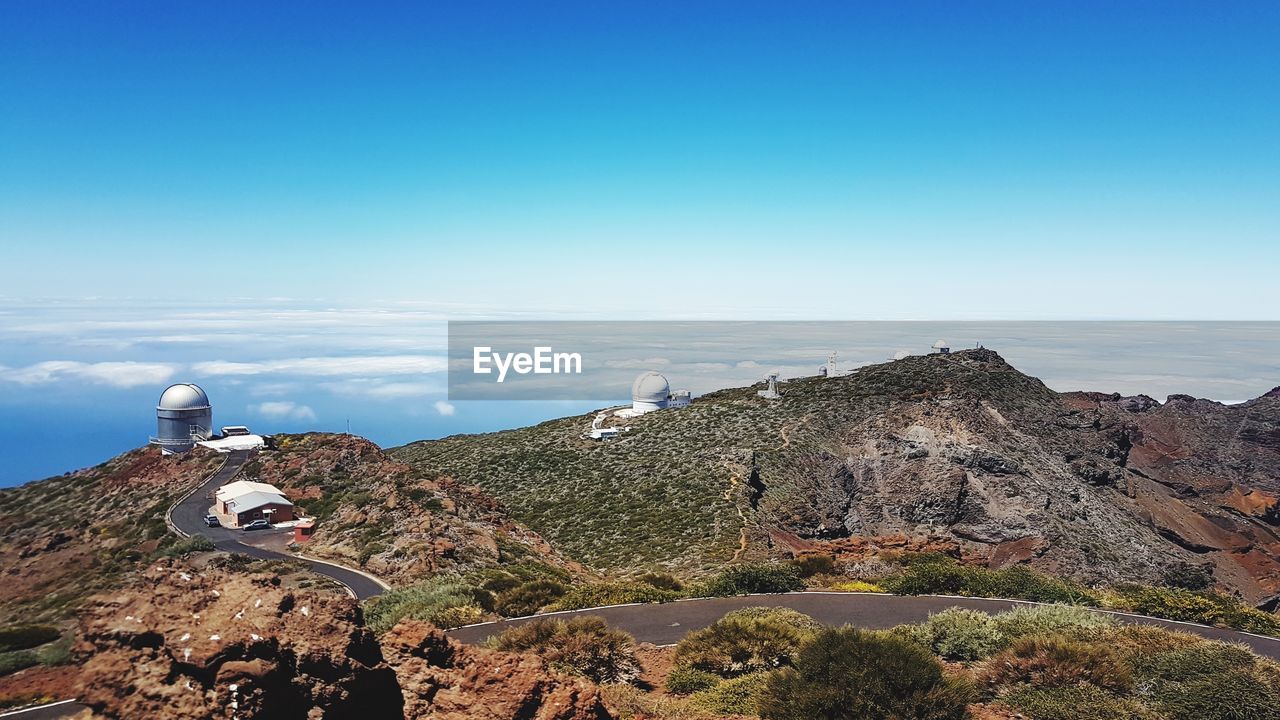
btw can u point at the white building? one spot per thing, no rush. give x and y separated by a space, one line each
941 347
247 501
651 391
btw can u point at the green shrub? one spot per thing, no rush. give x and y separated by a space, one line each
751 578
612 593
746 641
528 598
1208 608
1076 702
1203 659
1039 619
662 581
186 546
1019 582
430 601
852 674
21 637
582 645
810 565
1051 660
1230 695
960 634
11 662
738 696
57 652
684 680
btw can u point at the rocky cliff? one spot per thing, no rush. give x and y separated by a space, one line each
211 644
961 450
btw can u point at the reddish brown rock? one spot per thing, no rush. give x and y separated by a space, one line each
444 680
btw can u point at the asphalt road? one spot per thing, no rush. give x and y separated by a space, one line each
52 711
188 516
666 624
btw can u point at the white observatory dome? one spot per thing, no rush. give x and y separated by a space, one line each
940 345
183 396
650 392
183 417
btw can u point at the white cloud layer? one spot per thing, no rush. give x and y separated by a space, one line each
326 366
283 410
116 374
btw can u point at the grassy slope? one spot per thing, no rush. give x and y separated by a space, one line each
673 491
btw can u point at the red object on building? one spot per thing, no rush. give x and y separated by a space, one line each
302 531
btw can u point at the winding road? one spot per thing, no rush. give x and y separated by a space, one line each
187 517
665 624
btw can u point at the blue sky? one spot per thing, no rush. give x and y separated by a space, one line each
867 160
286 201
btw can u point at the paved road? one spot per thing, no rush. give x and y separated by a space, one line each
52 711
188 516
666 624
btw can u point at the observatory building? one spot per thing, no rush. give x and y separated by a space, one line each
941 347
651 391
183 418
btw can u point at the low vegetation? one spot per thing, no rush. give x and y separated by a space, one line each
582 645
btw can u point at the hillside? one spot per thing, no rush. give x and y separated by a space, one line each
960 450
396 521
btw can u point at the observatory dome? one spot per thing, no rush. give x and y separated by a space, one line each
183 396
649 392
940 345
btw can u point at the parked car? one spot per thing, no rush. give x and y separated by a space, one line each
257 525
211 520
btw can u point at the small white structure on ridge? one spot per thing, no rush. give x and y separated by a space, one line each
771 390
941 347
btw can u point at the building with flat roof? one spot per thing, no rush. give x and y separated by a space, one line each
246 501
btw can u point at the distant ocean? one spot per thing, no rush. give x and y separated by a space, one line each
79 381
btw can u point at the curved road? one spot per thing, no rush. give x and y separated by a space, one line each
666 624
188 517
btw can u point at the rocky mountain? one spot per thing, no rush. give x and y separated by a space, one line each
958 450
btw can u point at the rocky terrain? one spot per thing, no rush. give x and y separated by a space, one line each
394 520
66 537
219 644
957 450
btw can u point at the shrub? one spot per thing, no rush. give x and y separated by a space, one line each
612 593
810 565
1038 619
739 696
684 680
1188 576
583 645
960 634
857 586
11 662
57 652
849 674
1230 695
21 637
750 578
430 601
1208 608
528 598
746 641
186 546
1019 581
662 581
1076 702
1051 660
1203 659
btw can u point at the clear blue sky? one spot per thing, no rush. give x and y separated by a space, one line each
895 159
